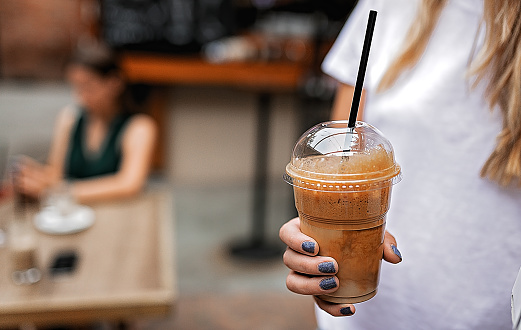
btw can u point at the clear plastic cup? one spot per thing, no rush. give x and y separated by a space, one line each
342 179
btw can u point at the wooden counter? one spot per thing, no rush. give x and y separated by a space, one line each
272 76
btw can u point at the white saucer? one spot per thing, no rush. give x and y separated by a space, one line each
50 221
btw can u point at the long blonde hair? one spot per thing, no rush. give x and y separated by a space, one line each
498 63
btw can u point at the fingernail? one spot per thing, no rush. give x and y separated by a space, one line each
346 311
396 251
328 283
308 246
326 267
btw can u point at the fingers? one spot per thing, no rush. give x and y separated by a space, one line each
310 274
310 266
391 252
291 235
31 186
335 309
29 177
23 165
314 275
311 285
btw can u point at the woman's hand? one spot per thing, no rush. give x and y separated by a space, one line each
314 275
32 178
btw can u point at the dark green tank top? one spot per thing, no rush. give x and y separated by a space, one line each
82 163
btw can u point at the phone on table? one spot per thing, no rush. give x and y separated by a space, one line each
64 262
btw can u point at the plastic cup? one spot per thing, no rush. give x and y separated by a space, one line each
342 179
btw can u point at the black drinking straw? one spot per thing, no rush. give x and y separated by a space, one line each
361 69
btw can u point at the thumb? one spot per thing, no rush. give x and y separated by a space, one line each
391 252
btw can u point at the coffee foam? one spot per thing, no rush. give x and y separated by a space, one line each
372 161
343 172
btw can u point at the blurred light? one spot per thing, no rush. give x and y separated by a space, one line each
263 4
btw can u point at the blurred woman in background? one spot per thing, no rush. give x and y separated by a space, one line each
102 147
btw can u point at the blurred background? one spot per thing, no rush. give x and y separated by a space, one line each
211 129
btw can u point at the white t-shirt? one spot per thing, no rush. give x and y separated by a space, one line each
459 234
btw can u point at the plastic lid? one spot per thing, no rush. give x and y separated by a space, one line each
332 157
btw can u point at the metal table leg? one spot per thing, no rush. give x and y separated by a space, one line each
258 246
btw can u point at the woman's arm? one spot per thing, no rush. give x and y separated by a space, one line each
137 148
33 178
342 104
60 143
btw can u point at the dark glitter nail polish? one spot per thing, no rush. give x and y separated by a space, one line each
396 251
346 311
327 267
308 246
328 283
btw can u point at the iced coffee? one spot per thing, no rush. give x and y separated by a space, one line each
342 179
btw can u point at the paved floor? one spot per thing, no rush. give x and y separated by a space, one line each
264 311
218 290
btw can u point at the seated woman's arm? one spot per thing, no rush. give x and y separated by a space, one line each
33 178
138 142
137 148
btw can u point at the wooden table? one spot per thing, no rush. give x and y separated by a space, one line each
125 268
264 77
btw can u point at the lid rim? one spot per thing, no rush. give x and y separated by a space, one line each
343 187
344 177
